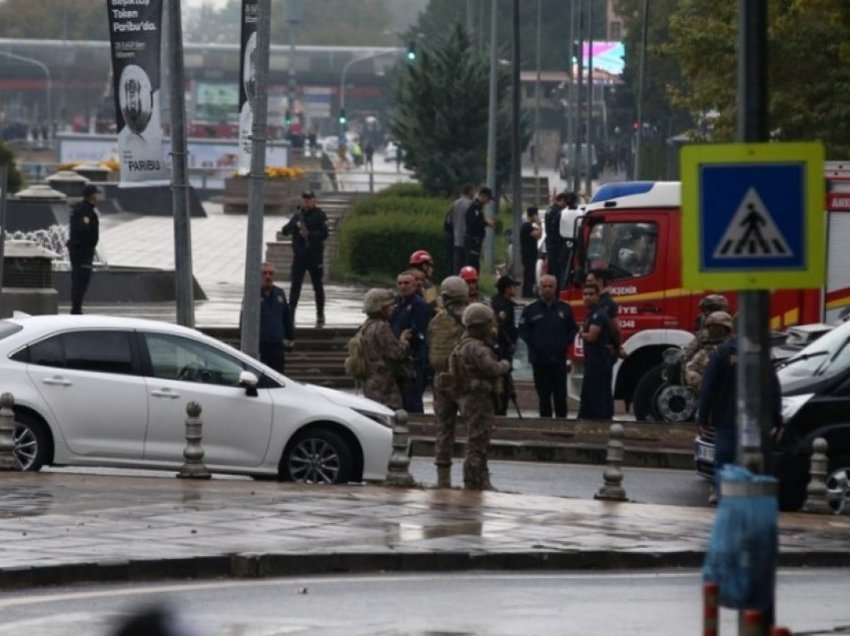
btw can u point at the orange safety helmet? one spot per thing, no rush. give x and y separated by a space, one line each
468 273
420 257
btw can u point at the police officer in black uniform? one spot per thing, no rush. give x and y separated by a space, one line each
84 234
476 227
597 403
309 230
504 308
547 326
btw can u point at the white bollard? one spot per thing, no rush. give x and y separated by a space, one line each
613 476
7 428
398 469
194 467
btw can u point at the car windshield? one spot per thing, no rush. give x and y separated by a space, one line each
626 249
827 356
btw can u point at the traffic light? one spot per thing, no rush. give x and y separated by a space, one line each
287 120
411 51
342 118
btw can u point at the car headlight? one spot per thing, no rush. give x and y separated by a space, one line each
381 418
793 403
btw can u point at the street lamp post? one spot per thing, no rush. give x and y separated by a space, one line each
350 63
43 67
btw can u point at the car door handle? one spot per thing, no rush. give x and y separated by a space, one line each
166 393
57 380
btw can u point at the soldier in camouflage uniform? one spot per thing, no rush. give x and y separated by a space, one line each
717 329
707 305
477 374
444 333
387 354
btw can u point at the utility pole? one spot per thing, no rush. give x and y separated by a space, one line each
492 111
516 157
579 86
536 145
589 148
571 86
250 339
293 16
179 181
641 76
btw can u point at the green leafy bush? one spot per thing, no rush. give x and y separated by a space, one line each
411 206
414 190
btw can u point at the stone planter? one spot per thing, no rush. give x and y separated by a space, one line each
280 195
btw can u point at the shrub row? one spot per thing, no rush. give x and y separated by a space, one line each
412 206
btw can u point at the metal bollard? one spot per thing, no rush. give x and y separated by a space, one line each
398 469
816 501
780 631
751 623
709 609
7 428
194 467
613 476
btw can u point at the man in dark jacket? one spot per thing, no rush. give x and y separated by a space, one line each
547 326
504 308
556 256
476 227
84 234
277 333
529 233
309 230
412 313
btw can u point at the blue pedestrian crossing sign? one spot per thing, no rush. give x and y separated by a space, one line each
753 216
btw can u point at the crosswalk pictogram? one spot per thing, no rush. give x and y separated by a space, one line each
752 232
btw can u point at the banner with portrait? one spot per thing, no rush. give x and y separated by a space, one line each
135 29
247 82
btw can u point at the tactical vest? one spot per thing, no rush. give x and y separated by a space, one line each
445 333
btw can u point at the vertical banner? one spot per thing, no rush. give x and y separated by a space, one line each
247 82
135 29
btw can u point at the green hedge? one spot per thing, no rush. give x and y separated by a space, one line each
405 205
407 190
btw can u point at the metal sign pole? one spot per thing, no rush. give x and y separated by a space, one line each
3 189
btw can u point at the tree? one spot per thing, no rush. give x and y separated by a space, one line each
441 109
54 19
14 180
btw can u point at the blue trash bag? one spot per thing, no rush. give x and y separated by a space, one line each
743 548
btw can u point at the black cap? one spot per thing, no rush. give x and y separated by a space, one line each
532 211
308 194
504 282
89 190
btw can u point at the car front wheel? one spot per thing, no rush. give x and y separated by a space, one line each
30 442
318 456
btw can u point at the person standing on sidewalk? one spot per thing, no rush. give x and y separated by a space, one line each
83 236
277 332
455 221
529 233
547 326
421 260
476 227
597 402
386 353
478 374
444 333
309 230
504 308
412 313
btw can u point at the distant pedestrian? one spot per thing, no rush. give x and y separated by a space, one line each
369 154
548 328
529 235
456 222
444 333
277 331
507 334
597 402
411 313
309 230
470 275
476 227
387 353
83 236
478 374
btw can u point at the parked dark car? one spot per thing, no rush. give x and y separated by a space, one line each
815 387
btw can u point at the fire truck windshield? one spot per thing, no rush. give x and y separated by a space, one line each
626 249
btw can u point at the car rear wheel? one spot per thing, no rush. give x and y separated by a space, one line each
318 456
838 484
30 441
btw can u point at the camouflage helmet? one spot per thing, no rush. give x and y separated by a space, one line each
376 299
719 318
714 302
454 288
477 314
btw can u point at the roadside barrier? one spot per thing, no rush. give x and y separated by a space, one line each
194 467
709 609
816 501
398 468
613 476
7 428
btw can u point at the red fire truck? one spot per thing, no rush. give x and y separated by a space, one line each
633 229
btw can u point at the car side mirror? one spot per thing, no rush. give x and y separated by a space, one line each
248 381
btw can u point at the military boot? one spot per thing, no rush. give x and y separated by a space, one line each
444 476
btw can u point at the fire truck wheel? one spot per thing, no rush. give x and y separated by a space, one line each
645 392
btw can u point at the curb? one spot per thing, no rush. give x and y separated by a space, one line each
252 565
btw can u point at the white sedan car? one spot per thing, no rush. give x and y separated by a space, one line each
107 391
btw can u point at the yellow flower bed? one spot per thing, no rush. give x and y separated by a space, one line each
110 164
283 172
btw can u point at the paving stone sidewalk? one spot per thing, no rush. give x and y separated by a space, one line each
63 528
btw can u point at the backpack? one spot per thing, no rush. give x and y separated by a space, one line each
357 363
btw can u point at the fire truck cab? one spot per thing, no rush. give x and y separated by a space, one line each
633 230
